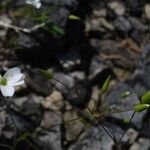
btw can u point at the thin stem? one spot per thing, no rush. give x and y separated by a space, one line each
61 82
59 124
11 117
127 128
10 114
120 111
36 132
99 122
99 102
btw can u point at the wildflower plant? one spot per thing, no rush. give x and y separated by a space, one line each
11 78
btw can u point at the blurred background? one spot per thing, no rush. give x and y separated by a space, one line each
82 42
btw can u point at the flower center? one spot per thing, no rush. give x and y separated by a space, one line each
3 82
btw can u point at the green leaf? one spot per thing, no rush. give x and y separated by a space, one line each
73 17
105 86
125 94
141 107
146 98
56 29
47 74
23 136
126 120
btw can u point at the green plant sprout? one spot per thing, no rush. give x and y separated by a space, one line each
49 75
103 90
145 102
73 17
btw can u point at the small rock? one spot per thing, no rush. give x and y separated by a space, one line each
8 134
4 20
51 118
74 128
19 101
115 102
60 17
69 60
54 101
122 24
117 7
141 144
96 139
94 97
78 75
23 123
75 91
25 41
100 13
66 82
93 25
136 24
32 105
106 46
68 106
106 24
131 135
38 83
98 71
147 10
51 140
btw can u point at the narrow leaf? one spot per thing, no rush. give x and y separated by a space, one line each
47 74
125 94
141 107
146 98
73 17
57 29
105 86
23 136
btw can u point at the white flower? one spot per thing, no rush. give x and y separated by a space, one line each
35 3
11 78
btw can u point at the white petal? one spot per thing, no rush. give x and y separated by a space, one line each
18 83
35 3
7 91
38 5
13 75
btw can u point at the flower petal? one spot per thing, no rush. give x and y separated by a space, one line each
35 3
7 91
18 83
13 75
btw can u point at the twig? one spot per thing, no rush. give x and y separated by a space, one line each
20 29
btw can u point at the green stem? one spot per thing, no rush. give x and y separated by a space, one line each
99 122
127 128
58 125
10 114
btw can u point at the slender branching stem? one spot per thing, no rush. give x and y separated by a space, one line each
127 127
99 122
